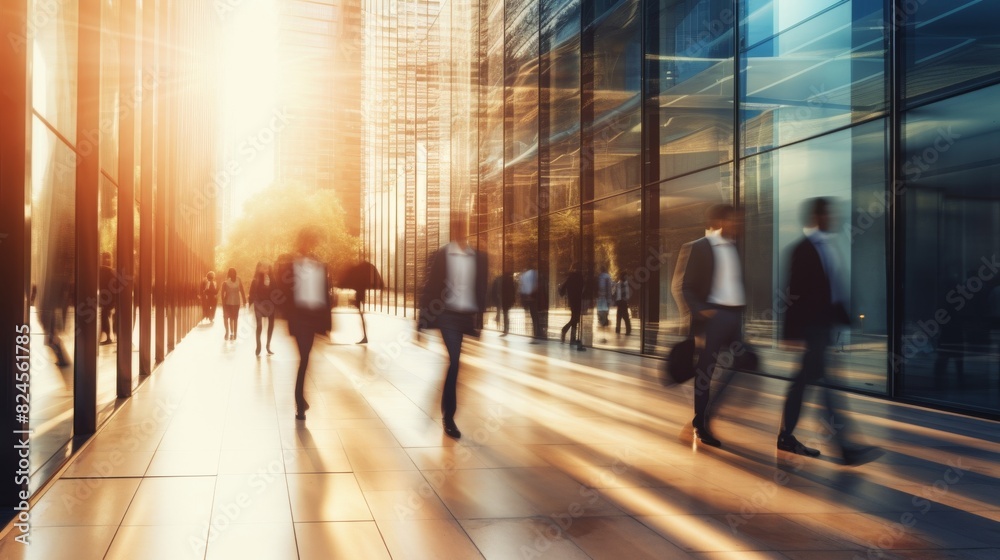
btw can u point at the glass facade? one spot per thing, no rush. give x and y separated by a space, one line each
108 207
600 132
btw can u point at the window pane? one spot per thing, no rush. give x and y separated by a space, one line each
560 117
521 141
561 246
949 44
521 260
849 167
54 67
951 332
613 231
821 74
491 147
675 216
689 87
615 128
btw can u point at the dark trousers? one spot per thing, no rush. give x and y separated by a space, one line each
260 327
305 344
812 371
574 320
453 327
505 313
107 321
531 306
723 334
623 314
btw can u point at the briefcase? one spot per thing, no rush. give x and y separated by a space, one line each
680 363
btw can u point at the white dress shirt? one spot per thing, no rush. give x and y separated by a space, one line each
528 282
460 286
310 284
727 280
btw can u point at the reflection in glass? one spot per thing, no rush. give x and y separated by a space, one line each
689 85
560 105
109 289
821 73
521 111
949 46
849 167
53 287
491 144
950 340
561 237
612 233
54 68
614 131
521 260
675 216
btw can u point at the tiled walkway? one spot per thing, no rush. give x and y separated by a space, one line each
564 455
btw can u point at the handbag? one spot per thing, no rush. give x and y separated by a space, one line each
679 366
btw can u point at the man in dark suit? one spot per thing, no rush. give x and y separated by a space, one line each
818 299
573 287
306 292
453 300
708 285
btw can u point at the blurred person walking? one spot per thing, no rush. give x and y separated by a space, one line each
621 292
572 288
209 297
454 300
306 293
233 297
818 297
261 297
708 286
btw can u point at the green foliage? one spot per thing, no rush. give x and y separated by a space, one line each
271 221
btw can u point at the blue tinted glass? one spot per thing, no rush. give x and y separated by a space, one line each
951 331
949 44
820 74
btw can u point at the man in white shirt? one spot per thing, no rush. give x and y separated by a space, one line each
528 288
454 300
308 289
708 284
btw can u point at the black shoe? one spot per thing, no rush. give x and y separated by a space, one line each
300 415
706 437
451 430
792 445
860 455
363 340
581 348
562 338
269 353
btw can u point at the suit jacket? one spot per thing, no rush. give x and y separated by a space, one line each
303 320
573 287
433 295
692 283
809 294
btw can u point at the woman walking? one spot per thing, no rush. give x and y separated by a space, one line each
263 305
233 297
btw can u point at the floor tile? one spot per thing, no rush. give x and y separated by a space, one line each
344 539
326 497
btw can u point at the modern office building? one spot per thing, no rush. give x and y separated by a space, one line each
108 205
590 132
322 55
600 132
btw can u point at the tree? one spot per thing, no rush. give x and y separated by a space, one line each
271 221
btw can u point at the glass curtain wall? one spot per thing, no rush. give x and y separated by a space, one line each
99 76
600 133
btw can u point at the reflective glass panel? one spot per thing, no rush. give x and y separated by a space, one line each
948 44
614 234
689 86
950 342
560 117
849 168
821 73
